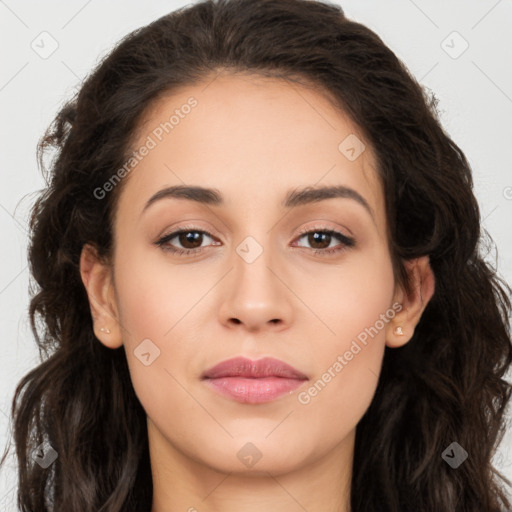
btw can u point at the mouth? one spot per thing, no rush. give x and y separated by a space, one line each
253 382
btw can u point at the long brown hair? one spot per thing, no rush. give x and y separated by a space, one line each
446 385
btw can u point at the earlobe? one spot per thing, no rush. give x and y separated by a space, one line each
97 279
422 284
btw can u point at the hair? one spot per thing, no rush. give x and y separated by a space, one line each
447 384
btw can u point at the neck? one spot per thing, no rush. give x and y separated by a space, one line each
181 483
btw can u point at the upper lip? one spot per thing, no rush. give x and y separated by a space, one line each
243 367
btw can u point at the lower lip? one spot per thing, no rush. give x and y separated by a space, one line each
252 390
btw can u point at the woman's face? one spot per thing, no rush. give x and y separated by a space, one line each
252 284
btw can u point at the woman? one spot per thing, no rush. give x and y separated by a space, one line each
260 281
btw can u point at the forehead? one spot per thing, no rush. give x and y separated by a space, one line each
251 137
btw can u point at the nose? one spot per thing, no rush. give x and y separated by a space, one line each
256 295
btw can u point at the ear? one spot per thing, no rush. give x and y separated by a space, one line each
422 284
97 279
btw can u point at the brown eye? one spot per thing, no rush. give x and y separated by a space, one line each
190 240
320 241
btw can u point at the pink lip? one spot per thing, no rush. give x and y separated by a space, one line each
253 381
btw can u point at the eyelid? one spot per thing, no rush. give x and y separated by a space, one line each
173 229
346 242
309 228
212 232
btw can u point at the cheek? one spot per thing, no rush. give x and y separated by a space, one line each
356 308
158 305
153 295
148 308
353 297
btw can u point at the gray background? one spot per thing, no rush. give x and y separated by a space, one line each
473 85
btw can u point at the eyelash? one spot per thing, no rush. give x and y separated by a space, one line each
346 242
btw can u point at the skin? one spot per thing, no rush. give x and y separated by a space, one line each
253 139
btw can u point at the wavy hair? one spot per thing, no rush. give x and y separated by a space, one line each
447 384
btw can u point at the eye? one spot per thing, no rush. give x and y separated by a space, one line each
321 238
191 239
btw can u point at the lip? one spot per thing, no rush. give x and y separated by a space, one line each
250 381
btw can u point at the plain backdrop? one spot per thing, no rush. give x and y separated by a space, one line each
460 50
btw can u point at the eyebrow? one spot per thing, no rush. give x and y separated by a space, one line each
293 199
